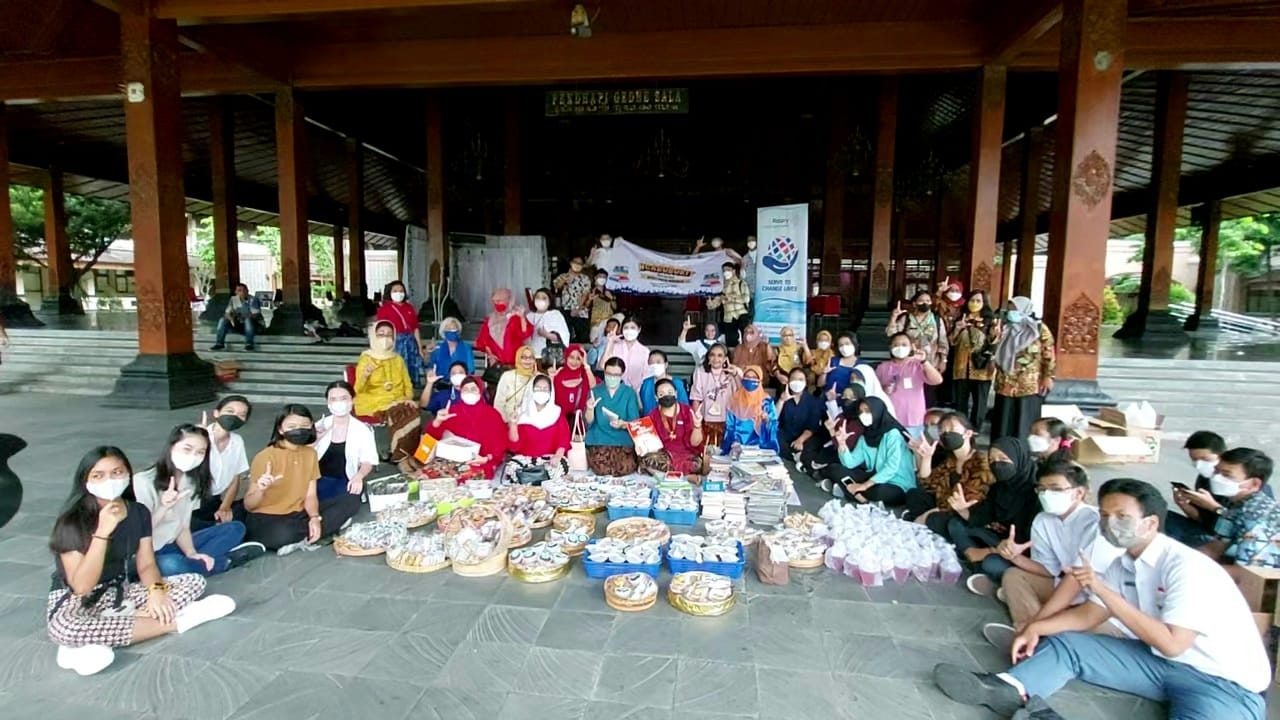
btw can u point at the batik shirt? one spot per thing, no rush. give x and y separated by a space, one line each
1251 531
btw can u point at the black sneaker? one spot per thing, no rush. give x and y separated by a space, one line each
250 348
971 688
1037 709
219 346
244 552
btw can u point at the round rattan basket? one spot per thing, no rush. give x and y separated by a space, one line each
496 562
347 549
701 609
542 576
806 564
649 528
420 569
568 521
623 604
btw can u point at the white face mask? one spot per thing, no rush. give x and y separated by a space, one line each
185 461
751 245
456 380
824 344
717 244
797 386
728 274
1206 468
953 296
108 489
630 333
606 244
657 370
846 351
470 398
542 397
600 282
397 296
340 408
541 305
1038 443
1057 502
900 351
866 419
1223 486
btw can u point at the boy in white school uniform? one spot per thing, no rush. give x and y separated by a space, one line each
1190 642
1040 586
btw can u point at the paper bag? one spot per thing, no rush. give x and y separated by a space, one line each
770 572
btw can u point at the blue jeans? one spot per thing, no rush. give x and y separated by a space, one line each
245 325
1128 666
330 487
214 541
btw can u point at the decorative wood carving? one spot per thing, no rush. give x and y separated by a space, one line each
982 277
1078 334
1092 179
879 277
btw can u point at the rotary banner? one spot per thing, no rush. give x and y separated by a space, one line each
633 269
782 283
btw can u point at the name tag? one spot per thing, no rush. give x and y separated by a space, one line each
713 411
906 383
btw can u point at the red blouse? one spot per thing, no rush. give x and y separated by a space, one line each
537 443
401 315
479 423
679 447
512 339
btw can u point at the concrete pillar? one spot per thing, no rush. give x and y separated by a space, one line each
1089 74
167 373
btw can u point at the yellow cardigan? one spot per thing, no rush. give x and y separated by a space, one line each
388 384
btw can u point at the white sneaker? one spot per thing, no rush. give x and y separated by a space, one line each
1001 596
826 486
1000 636
85 660
210 607
980 584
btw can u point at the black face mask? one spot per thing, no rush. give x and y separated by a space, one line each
230 423
667 401
1004 471
951 441
923 307
300 436
849 408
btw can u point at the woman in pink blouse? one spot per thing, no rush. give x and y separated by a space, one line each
631 352
712 386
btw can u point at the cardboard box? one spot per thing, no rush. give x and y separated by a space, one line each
1115 423
226 370
457 449
1100 448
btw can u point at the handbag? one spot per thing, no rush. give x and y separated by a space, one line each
553 354
532 475
981 359
577 456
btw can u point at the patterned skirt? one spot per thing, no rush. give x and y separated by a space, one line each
407 347
405 423
109 618
611 460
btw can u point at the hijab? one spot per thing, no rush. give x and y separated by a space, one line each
539 418
378 348
520 352
1017 336
882 422
748 404
567 373
948 303
822 358
1014 501
866 377
788 350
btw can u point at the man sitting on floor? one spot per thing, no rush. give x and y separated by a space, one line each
1040 586
1248 521
1191 641
241 314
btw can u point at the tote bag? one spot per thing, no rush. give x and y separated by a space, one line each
577 445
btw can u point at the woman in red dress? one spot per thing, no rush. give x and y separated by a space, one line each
475 420
503 332
539 437
573 383
404 318
680 430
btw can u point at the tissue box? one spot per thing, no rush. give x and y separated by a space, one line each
457 449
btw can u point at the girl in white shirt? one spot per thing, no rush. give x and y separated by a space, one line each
344 445
549 325
228 463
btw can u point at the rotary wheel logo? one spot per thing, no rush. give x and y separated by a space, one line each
782 255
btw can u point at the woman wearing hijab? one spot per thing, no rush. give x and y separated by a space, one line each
503 332
950 300
404 319
865 378
842 417
792 354
549 326
880 467
755 351
539 437
820 358
475 420
976 528
750 415
384 390
1025 363
572 382
680 430
515 383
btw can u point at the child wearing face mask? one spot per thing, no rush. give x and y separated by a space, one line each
1064 530
539 436
549 328
171 489
285 512
344 444
1193 527
404 319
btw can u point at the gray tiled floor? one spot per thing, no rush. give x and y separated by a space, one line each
315 636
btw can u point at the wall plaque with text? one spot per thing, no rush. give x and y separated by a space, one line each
641 101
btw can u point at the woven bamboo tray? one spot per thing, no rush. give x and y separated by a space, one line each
345 549
629 605
705 609
618 529
806 564
539 577
540 525
420 569
564 521
485 568
495 563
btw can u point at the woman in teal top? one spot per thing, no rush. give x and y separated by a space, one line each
881 467
611 406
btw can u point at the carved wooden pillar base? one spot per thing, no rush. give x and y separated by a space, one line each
164 381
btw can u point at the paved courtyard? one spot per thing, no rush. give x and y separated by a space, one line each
315 636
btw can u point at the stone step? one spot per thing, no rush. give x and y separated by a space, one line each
1160 365
1151 388
1184 375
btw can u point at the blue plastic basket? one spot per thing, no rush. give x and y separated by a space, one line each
600 571
733 571
620 513
674 517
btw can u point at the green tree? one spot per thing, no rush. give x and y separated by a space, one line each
92 225
1244 244
1112 313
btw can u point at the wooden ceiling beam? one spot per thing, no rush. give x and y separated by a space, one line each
101 77
258 9
263 56
726 52
1021 25
1181 43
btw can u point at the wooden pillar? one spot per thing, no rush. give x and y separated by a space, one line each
339 276
833 200
1029 209
167 373
899 259
295 248
226 238
58 296
512 196
882 211
13 311
1151 320
355 220
1206 273
435 189
1089 75
984 179
1006 269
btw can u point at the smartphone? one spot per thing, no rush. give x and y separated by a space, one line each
1180 486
